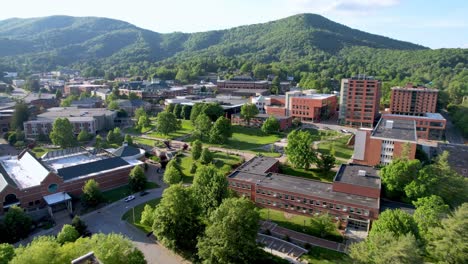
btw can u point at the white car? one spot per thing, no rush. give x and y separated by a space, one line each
129 198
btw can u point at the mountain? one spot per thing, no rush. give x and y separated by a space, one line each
64 40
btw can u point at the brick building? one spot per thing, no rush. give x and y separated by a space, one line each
82 88
35 183
353 198
90 119
257 121
248 86
430 126
413 100
306 105
388 140
359 101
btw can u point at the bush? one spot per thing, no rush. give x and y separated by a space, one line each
193 168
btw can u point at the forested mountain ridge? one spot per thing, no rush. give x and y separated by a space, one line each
63 40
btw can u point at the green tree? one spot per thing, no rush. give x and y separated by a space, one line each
398 174
210 188
17 223
166 123
325 162
396 222
185 114
140 112
429 212
7 252
62 133
84 136
248 111
202 126
129 139
441 180
170 108
387 248
213 111
20 115
176 219
221 131
98 142
113 105
79 225
299 150
196 110
58 94
115 248
115 136
147 216
324 223
68 234
197 148
172 175
231 233
275 86
137 179
32 85
271 125
92 195
178 110
143 122
206 156
448 242
133 96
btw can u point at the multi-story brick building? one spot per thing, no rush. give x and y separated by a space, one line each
359 101
305 105
90 119
248 86
284 121
82 88
353 198
413 100
391 138
35 183
430 126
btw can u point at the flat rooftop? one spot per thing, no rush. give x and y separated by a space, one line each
72 113
350 173
303 186
24 170
258 165
435 116
226 103
396 129
267 116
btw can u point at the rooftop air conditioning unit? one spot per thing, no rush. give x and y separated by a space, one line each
362 173
389 124
344 209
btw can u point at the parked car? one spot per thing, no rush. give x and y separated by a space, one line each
129 198
143 193
345 131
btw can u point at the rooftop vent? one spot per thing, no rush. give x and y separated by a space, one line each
389 124
362 173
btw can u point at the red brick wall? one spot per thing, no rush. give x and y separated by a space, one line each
276 111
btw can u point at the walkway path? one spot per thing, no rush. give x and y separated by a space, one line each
300 238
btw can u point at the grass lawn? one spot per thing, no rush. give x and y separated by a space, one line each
187 128
128 216
224 162
145 141
297 223
319 255
123 191
249 139
39 151
313 174
132 130
341 149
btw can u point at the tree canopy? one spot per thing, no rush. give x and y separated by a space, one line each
210 188
271 125
248 111
299 150
62 133
166 123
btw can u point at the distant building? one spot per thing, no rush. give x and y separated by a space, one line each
81 88
10 74
130 106
5 119
18 83
430 126
87 103
413 100
230 104
102 93
306 105
359 101
385 142
257 121
247 86
89 119
353 198
36 183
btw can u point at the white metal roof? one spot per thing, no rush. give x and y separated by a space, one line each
57 198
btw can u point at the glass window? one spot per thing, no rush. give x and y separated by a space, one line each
52 188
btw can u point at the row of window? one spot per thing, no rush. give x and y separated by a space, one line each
300 107
299 113
241 185
309 202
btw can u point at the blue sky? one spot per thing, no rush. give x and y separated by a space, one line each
432 23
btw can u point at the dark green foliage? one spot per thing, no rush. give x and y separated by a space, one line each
137 179
7 252
84 136
17 224
271 125
197 147
221 131
67 234
178 110
92 195
203 125
166 123
396 222
20 115
210 188
62 133
170 108
206 156
79 225
248 111
299 150
185 113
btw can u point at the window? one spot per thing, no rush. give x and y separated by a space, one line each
37 202
52 188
